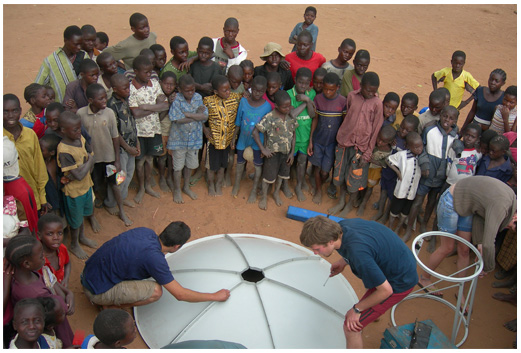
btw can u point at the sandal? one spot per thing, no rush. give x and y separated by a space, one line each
432 290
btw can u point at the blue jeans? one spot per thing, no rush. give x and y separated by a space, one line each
128 164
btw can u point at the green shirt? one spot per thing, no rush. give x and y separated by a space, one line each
178 73
303 130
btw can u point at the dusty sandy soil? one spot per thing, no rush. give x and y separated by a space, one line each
407 43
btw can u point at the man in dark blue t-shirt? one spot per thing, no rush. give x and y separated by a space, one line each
375 254
114 276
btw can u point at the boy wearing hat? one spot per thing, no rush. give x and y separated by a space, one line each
273 57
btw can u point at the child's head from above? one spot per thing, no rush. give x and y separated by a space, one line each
390 104
498 146
12 111
139 25
159 55
179 48
149 54
70 125
114 328
272 54
436 101
471 135
510 98
50 93
346 50
369 85
221 86
97 96
447 95
72 39
302 80
409 123
187 87
330 86
120 86
102 41
283 102
304 44
318 79
230 30
409 103
107 63
414 143
258 88
89 71
486 137
89 37
52 115
361 61
25 252
36 95
48 145
50 231
235 75
205 49
448 117
167 82
496 80
53 310
28 320
309 15
386 136
247 69
458 61
274 83
143 68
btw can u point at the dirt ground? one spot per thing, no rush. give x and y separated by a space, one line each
407 44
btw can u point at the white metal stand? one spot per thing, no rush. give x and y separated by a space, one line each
459 309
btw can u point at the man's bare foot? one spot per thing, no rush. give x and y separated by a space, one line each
253 196
96 227
300 195
317 198
178 197
151 192
139 196
77 251
113 210
263 203
88 242
276 197
348 207
211 190
190 193
335 209
163 186
125 219
129 203
286 190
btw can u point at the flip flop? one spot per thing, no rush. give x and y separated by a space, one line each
431 290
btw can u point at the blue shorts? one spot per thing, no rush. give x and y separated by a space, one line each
257 159
78 207
323 156
424 189
448 220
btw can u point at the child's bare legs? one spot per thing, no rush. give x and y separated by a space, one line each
117 195
263 202
219 182
228 176
320 178
276 192
349 206
161 165
367 195
186 186
178 197
211 182
96 227
169 170
341 201
256 178
199 173
381 204
415 209
239 170
301 174
286 189
77 237
140 174
431 203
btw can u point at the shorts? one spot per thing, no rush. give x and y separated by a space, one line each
150 146
346 169
448 220
126 292
216 159
323 156
369 315
388 184
275 166
257 159
373 176
185 158
402 206
78 207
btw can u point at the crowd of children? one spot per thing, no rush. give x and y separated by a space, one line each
102 115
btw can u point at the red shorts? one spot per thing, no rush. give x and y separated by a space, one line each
374 312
